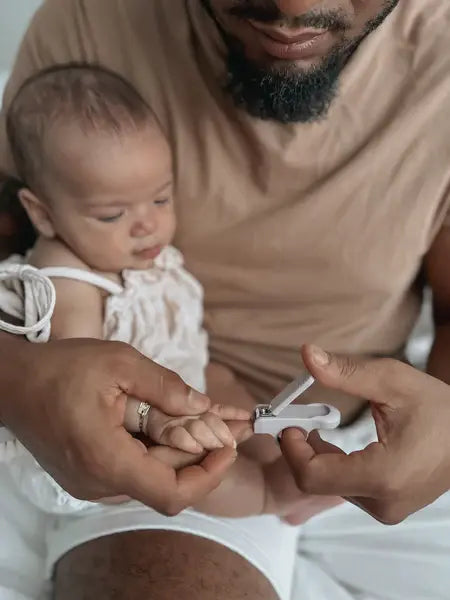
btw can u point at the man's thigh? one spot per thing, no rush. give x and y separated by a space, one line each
161 565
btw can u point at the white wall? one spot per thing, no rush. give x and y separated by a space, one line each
14 18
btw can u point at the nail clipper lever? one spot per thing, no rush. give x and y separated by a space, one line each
280 414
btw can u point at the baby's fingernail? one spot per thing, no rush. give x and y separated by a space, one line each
319 356
197 401
234 444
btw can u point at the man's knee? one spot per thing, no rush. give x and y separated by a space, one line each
158 564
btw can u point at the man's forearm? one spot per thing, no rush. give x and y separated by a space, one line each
14 367
439 360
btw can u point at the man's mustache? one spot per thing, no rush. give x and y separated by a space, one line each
268 12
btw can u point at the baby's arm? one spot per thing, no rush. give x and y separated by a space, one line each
79 306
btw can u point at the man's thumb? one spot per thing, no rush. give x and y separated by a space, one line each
355 376
163 389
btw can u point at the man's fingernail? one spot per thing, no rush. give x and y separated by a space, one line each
320 357
197 401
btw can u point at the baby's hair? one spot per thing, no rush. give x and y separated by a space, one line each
91 97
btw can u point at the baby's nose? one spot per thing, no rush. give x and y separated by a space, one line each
143 227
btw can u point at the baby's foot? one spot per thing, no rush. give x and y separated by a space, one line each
310 506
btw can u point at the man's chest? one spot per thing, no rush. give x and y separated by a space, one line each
357 218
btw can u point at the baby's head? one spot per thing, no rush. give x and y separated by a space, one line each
95 165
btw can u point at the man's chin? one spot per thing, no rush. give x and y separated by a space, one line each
285 92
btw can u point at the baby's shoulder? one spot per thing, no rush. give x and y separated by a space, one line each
54 253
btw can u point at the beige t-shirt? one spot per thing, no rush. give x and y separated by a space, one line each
298 233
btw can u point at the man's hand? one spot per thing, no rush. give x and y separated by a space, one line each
68 410
408 468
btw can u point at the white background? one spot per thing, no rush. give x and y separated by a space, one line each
14 18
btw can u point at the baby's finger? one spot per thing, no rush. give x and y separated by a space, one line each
203 434
176 459
240 430
220 429
230 413
178 437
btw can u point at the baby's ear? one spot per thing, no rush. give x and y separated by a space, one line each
38 213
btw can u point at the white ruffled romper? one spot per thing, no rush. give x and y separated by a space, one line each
158 311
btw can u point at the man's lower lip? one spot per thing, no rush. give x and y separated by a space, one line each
316 46
149 253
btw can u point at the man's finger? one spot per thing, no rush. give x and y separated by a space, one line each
147 381
196 482
363 378
330 474
320 446
140 475
176 459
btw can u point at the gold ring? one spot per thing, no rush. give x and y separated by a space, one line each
143 410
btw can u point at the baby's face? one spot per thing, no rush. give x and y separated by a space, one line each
111 196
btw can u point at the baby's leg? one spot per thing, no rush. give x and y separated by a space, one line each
160 565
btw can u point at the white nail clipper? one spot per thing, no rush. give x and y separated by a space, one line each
280 414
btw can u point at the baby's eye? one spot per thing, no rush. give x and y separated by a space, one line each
111 219
162 201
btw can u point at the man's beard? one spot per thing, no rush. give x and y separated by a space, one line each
288 95
285 96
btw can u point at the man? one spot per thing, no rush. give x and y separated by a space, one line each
310 141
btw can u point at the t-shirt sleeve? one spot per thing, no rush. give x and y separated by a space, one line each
52 38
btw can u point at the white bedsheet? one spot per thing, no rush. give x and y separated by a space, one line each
22 544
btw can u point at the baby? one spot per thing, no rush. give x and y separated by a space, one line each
97 187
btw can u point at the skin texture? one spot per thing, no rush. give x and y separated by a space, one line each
160 565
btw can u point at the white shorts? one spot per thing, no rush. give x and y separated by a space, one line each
265 542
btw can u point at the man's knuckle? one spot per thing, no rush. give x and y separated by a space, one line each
121 354
173 384
347 366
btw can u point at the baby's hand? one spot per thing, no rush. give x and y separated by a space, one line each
195 434
190 434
